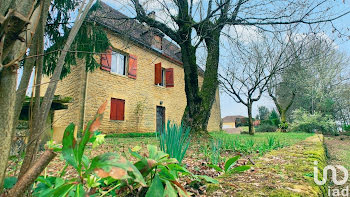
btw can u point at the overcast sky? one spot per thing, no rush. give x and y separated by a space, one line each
228 105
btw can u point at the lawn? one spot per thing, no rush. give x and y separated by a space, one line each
259 143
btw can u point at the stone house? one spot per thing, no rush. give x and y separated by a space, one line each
141 76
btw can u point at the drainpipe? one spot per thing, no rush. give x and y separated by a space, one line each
84 101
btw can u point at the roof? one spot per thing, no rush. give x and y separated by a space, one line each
137 32
231 118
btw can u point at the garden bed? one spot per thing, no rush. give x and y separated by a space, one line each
284 172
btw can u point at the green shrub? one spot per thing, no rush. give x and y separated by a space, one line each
266 128
274 118
130 135
175 140
266 122
310 123
346 127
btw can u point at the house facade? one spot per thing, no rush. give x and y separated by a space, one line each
229 122
141 76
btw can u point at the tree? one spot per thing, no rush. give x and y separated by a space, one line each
320 78
263 113
41 109
198 23
18 22
247 77
284 85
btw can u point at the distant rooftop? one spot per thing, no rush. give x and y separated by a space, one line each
231 118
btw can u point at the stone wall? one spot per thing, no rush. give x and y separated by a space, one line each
141 95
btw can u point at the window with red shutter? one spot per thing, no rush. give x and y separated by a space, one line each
132 66
117 109
106 60
158 74
169 77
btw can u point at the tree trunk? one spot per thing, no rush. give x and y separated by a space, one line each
38 48
10 51
191 117
33 172
42 114
250 119
199 103
283 116
8 79
210 82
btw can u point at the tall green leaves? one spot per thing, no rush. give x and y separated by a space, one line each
175 140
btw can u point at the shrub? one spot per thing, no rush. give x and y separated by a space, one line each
274 118
130 135
346 127
310 123
175 140
266 128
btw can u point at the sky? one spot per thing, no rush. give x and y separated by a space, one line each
228 105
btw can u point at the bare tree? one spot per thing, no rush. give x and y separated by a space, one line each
252 68
195 23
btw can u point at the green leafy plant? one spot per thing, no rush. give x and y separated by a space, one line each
161 172
283 126
174 140
229 166
305 122
105 165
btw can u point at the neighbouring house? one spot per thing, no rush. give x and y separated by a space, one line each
141 76
229 122
256 123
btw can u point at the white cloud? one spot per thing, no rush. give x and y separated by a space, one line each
242 33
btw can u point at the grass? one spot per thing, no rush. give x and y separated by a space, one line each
284 172
260 142
245 128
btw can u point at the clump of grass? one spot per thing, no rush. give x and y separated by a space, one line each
175 140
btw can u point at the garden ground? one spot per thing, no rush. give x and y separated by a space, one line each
281 163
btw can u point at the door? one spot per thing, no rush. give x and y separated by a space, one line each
160 118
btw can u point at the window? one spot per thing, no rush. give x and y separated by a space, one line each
162 82
118 65
163 76
117 109
116 62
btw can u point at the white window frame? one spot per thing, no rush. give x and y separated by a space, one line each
163 78
116 60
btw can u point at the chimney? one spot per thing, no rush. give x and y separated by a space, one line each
152 15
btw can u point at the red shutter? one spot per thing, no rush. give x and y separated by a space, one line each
113 112
120 109
158 73
132 66
169 76
106 60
